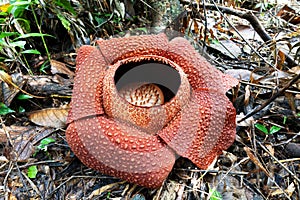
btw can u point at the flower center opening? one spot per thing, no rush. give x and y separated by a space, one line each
147 83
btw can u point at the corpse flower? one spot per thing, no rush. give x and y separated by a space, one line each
140 102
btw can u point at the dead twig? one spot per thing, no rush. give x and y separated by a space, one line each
252 19
283 166
267 87
280 92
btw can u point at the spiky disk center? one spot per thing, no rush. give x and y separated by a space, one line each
146 95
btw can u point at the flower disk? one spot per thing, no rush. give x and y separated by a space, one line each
141 101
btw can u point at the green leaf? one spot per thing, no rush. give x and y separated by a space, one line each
21 109
33 35
32 171
274 129
4 109
214 41
142 29
44 66
3 14
21 3
3 43
47 141
31 51
25 24
215 195
44 143
100 20
64 22
284 119
20 44
66 5
261 128
24 97
18 10
7 34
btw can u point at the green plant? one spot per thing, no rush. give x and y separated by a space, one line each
43 146
44 143
32 171
4 109
24 97
264 129
215 195
15 32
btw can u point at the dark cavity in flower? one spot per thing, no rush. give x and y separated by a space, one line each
147 82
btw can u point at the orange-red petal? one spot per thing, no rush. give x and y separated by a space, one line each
201 73
89 70
120 150
120 48
203 128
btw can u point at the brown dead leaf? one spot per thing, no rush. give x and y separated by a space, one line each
22 143
50 117
196 27
247 95
291 188
12 196
22 151
223 47
281 60
295 70
59 67
289 14
243 74
14 132
291 100
255 160
6 78
271 149
7 91
104 188
50 85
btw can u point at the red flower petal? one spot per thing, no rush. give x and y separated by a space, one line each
89 70
121 48
203 128
200 72
120 150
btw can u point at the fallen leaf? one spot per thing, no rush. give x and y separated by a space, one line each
255 160
50 117
242 74
7 90
224 45
14 132
289 190
104 188
289 14
295 70
22 151
22 140
60 67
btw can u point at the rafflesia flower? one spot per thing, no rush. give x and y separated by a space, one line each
140 102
